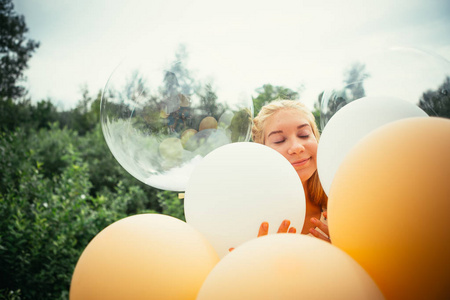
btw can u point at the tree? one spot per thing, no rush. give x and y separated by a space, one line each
15 51
329 103
317 111
354 80
85 116
184 77
437 103
208 102
21 113
268 92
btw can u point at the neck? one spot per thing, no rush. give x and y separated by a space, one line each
312 209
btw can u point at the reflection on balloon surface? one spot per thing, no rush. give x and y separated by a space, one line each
409 74
159 122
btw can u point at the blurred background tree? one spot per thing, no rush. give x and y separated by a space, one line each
15 51
268 93
437 102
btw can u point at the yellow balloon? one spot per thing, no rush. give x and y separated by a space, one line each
148 256
288 266
208 123
388 207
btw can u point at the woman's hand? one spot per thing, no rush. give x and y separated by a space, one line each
284 228
264 229
322 227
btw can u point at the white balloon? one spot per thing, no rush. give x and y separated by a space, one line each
238 186
352 123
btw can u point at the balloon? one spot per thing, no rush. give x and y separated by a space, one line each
147 256
238 186
397 72
288 266
351 124
388 203
150 110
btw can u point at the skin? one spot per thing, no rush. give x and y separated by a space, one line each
289 133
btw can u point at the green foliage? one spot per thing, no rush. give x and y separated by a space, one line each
171 204
354 78
48 214
12 154
45 225
85 116
15 51
437 103
240 124
58 189
269 93
22 113
208 102
316 112
50 147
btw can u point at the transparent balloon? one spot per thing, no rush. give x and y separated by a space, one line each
410 74
160 119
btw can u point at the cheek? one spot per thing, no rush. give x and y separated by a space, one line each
312 148
276 147
282 151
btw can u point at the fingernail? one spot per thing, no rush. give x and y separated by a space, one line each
286 222
314 220
265 226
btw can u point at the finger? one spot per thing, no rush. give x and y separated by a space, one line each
320 225
292 230
263 229
325 214
319 235
284 226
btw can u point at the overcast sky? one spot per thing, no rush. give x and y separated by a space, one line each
289 43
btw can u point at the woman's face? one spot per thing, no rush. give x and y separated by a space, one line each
288 132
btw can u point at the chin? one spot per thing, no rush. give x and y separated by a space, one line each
305 176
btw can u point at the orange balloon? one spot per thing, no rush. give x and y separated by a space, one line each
288 266
388 207
148 256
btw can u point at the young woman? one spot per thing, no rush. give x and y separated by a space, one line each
288 127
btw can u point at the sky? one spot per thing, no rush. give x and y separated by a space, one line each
292 43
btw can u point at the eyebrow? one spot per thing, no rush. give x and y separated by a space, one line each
281 131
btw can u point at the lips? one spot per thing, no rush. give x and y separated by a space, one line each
301 162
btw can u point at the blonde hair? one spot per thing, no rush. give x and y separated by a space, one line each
315 192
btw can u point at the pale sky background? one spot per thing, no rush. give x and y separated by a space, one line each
289 43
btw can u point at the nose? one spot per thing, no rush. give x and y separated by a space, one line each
295 148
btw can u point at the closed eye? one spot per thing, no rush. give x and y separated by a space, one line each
279 142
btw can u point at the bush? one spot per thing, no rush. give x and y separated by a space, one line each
58 190
171 204
45 225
